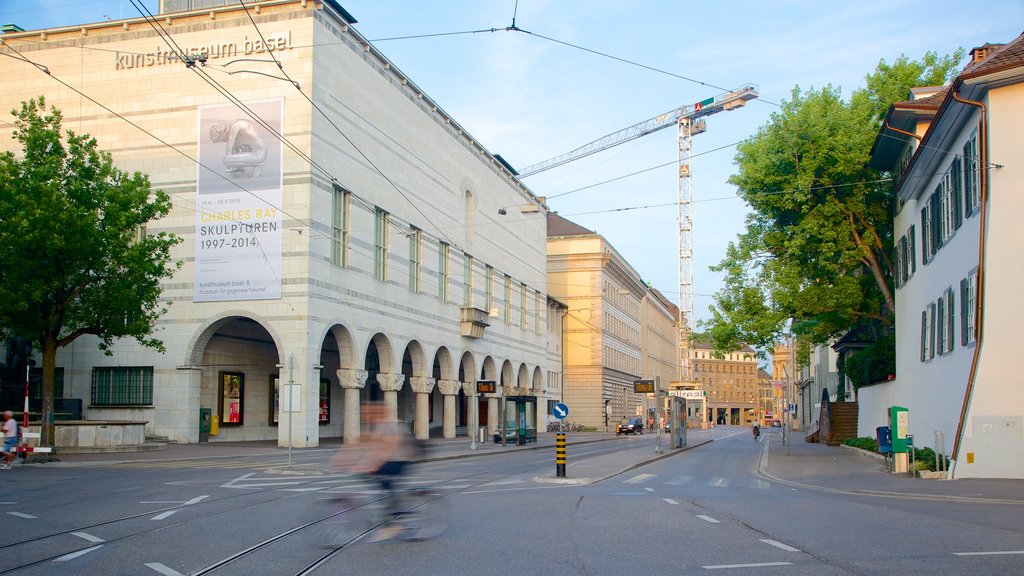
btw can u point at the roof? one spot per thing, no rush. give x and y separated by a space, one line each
997 65
558 226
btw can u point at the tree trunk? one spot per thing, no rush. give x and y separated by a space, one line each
46 427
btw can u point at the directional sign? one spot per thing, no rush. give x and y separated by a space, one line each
560 411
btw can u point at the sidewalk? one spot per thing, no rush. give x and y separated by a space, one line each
812 466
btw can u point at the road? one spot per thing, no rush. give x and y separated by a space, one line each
710 509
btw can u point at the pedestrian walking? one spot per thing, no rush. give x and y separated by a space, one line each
10 429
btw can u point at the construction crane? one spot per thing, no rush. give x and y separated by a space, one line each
689 120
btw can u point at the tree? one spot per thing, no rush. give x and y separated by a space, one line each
815 252
75 258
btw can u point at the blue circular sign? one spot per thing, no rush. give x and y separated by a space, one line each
560 411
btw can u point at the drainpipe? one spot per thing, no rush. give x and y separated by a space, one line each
898 131
980 295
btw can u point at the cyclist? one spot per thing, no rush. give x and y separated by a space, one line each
756 431
389 447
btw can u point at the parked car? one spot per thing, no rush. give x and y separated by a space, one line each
631 426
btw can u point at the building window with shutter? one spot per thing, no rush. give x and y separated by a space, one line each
968 304
381 244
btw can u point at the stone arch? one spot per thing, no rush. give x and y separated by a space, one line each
523 377
488 371
200 340
237 359
507 377
538 379
442 365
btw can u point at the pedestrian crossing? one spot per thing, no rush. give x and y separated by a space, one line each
712 482
220 464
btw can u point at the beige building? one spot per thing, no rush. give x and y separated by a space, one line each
344 238
731 382
617 329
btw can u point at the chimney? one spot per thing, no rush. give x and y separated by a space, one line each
980 53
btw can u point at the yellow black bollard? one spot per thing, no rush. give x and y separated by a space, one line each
560 455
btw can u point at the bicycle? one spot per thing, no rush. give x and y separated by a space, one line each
411 514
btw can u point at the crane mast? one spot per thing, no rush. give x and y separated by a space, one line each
689 121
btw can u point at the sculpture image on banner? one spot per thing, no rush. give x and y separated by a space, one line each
239 193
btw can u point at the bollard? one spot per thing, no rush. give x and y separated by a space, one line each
560 455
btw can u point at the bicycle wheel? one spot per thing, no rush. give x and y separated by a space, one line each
343 518
424 515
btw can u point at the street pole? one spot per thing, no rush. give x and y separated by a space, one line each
657 414
474 418
291 408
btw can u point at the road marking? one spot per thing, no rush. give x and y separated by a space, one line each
649 489
708 518
89 537
163 515
21 515
726 566
679 480
760 484
994 553
780 545
162 569
74 555
719 482
670 501
638 479
196 500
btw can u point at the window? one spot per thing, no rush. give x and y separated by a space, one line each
946 223
508 299
122 386
522 306
968 305
926 239
944 323
538 305
901 261
488 288
911 250
467 281
443 259
381 244
928 333
972 190
415 255
947 322
341 203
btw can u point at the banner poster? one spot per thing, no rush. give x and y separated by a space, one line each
238 203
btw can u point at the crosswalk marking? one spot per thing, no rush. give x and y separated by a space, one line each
639 478
679 480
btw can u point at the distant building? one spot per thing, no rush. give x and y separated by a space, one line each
959 189
617 329
732 384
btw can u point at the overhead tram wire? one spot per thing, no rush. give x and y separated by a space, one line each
343 135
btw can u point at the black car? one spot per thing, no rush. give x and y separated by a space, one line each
633 425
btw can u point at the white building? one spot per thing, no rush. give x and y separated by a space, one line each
352 239
959 189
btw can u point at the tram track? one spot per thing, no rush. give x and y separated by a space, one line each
59 548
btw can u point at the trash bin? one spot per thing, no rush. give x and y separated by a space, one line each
205 417
884 435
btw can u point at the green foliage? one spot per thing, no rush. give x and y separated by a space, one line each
872 364
924 459
864 443
815 252
74 258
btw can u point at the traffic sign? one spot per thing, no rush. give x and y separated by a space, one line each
560 411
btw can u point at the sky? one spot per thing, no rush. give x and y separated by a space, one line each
577 70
